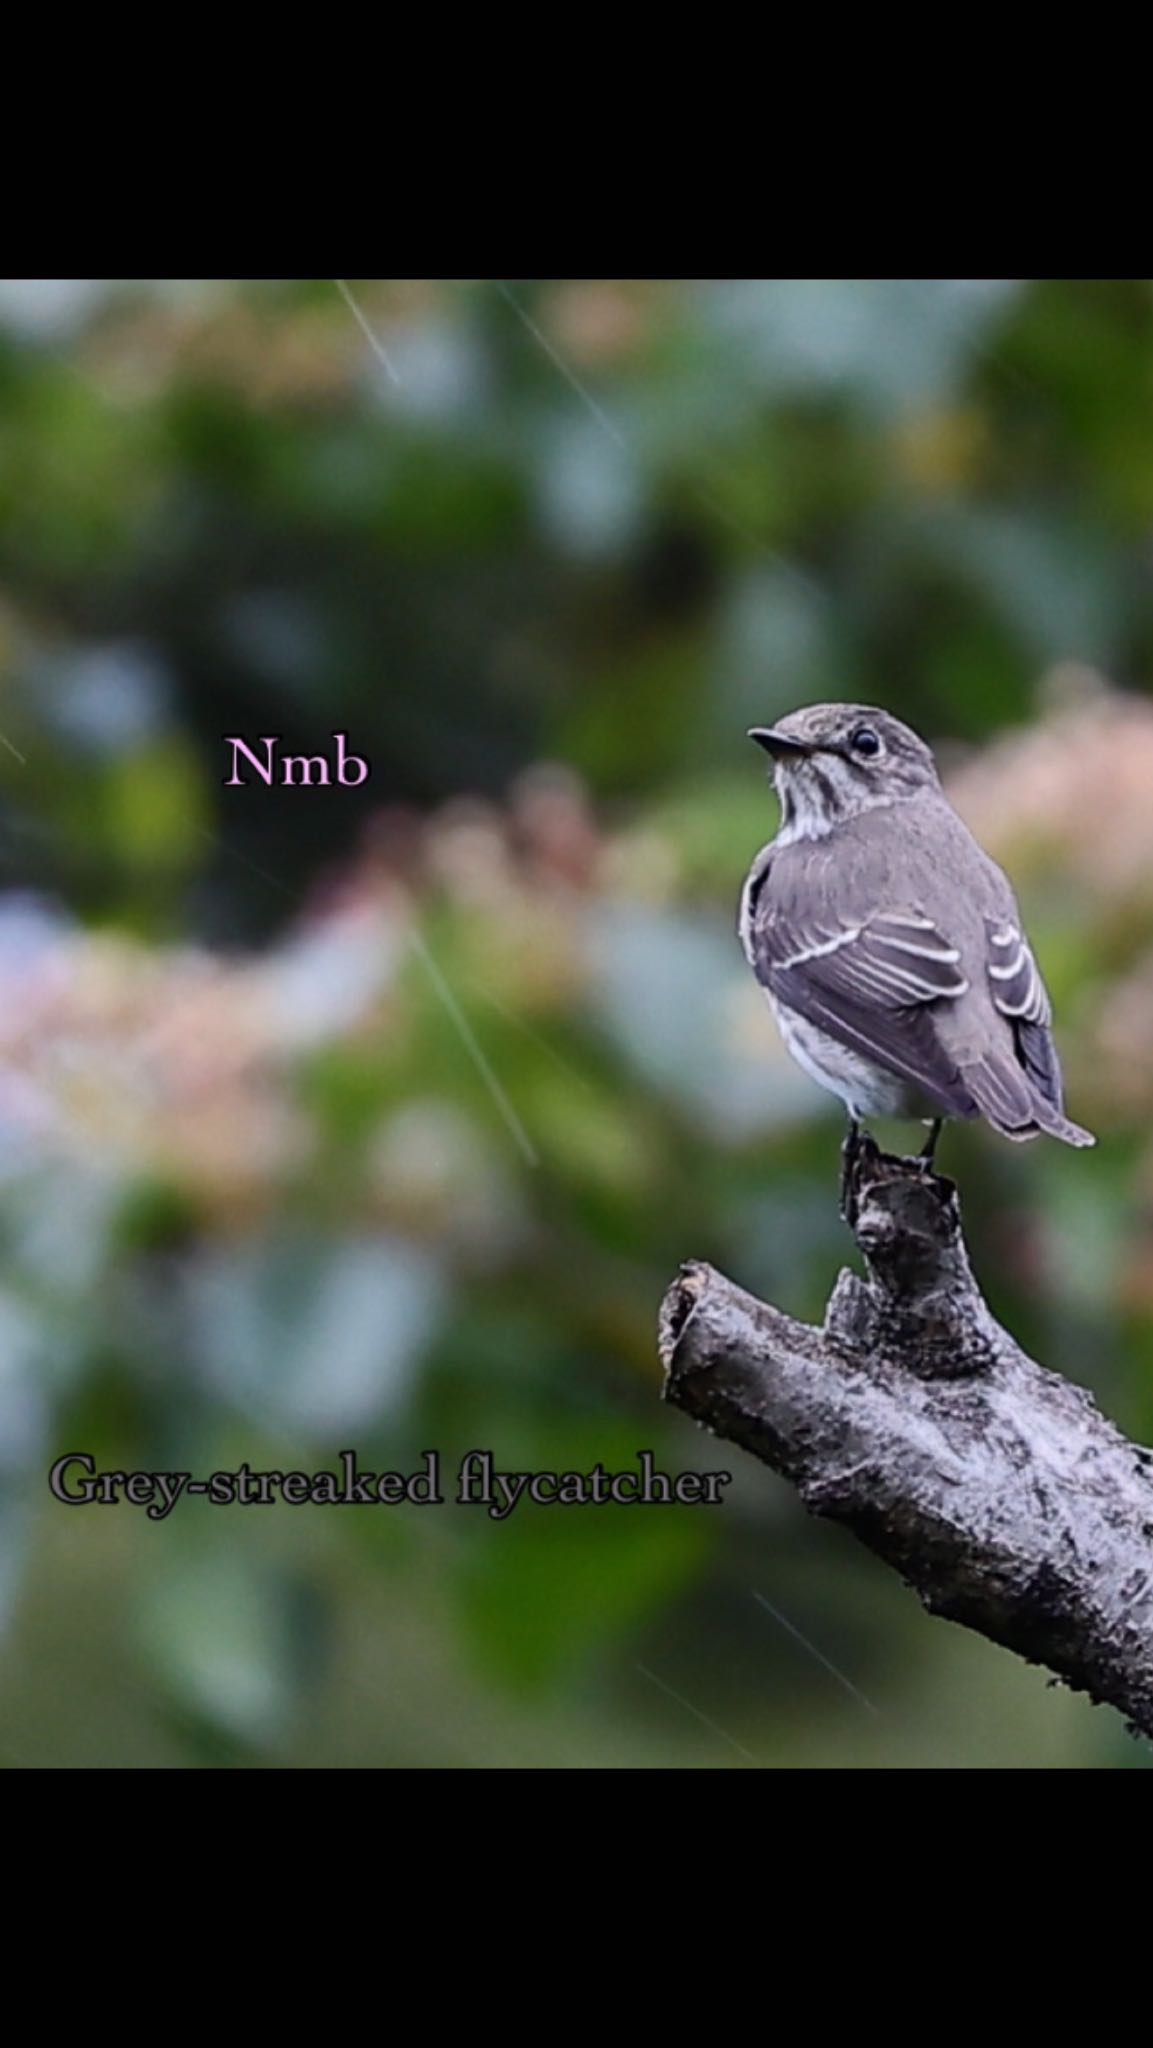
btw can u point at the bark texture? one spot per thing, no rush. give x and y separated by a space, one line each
995 1487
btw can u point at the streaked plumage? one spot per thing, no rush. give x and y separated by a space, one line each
889 944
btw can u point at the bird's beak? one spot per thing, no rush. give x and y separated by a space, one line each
777 743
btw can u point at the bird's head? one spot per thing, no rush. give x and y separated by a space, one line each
831 761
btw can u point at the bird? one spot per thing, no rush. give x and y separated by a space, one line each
889 944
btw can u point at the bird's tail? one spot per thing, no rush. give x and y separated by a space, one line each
1005 1095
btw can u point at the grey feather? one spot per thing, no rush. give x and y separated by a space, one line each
1018 990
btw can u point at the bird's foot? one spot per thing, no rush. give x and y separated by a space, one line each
928 1151
859 1152
864 1165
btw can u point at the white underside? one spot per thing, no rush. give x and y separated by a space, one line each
865 1089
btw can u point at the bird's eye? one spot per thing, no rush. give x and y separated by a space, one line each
865 742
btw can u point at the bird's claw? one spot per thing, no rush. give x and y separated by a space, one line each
858 1151
861 1156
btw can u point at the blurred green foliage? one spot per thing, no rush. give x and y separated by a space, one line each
383 1118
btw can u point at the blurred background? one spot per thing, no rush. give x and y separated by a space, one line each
383 1119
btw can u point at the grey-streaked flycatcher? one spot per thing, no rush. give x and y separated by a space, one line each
888 943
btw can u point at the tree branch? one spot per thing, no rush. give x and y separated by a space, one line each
996 1488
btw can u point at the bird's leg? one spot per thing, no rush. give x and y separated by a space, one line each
850 1160
929 1148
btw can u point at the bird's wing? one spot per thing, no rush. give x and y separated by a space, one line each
1020 994
871 983
1017 987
